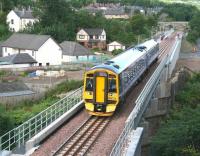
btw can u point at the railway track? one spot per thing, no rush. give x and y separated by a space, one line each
80 142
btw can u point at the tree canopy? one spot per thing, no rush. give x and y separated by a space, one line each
179 133
194 32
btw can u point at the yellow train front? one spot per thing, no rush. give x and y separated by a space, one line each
101 91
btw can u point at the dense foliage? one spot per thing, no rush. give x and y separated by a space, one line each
6 123
180 12
179 134
14 116
59 19
146 3
194 32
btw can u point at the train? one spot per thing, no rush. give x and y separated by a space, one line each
106 85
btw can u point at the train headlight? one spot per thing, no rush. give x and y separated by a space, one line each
89 93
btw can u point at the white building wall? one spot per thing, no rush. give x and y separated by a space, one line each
67 58
25 22
84 35
114 46
50 53
103 36
15 66
16 21
11 51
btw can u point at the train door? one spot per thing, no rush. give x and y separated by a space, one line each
100 89
101 79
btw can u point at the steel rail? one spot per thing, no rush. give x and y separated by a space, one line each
83 138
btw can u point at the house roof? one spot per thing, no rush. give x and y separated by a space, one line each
0 49
14 89
74 49
22 58
114 12
115 43
24 13
94 31
25 41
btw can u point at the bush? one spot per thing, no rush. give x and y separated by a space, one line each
6 122
179 134
116 52
24 111
65 86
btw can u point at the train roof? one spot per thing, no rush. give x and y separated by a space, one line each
125 59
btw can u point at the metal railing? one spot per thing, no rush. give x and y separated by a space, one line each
19 135
141 104
174 56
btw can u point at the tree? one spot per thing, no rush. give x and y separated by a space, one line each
52 11
180 12
138 24
194 32
179 133
116 52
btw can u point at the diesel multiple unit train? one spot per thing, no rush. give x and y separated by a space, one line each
106 84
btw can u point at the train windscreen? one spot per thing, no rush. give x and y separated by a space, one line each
112 85
89 84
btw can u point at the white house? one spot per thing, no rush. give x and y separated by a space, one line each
74 52
115 45
21 60
41 47
92 38
18 19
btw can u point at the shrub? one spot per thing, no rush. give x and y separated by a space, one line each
179 134
116 52
6 122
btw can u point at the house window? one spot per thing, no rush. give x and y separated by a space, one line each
77 57
47 64
81 36
96 37
8 54
12 21
91 37
32 53
6 50
102 36
40 64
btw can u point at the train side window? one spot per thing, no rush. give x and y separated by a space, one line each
112 85
89 84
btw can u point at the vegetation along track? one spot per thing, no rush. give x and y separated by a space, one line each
80 142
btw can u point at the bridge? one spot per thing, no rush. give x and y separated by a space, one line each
179 25
30 134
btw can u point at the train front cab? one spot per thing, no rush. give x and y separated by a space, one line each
101 92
